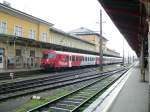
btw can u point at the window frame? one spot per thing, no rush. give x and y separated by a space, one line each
19 33
4 31
32 34
46 38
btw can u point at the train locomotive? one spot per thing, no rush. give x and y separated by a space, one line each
59 59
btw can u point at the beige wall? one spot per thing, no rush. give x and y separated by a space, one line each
95 40
60 39
27 25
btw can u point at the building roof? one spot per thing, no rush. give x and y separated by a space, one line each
15 12
69 35
85 31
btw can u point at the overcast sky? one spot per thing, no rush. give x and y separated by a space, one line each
71 14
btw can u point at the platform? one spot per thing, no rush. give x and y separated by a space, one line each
18 74
2 71
128 95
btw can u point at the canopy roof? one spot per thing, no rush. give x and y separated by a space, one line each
130 18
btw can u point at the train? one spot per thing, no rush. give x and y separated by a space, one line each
60 59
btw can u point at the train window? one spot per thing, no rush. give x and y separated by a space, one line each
70 58
45 56
73 58
66 58
81 58
77 58
50 56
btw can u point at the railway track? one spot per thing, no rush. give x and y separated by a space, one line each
12 90
21 74
74 101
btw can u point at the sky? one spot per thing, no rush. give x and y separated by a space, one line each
71 14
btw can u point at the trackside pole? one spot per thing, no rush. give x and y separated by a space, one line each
101 43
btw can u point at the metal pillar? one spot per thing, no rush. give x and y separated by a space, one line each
101 43
6 60
142 62
123 53
15 52
149 65
148 52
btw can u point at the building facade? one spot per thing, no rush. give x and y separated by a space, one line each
95 38
90 36
23 37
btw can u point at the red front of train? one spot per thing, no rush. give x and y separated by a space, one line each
53 59
48 59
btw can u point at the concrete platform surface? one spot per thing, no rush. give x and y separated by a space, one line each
134 95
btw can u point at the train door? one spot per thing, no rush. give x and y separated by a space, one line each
1 58
70 61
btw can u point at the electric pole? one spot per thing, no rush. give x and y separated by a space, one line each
101 43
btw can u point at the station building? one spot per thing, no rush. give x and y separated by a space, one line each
95 38
23 36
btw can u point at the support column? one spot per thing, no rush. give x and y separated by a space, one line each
149 64
6 57
142 62
14 53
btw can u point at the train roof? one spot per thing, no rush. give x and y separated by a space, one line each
62 52
81 54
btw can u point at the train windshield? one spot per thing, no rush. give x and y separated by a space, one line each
49 56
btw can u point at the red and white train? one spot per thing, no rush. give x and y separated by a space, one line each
60 59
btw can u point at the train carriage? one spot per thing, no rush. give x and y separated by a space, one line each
60 59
